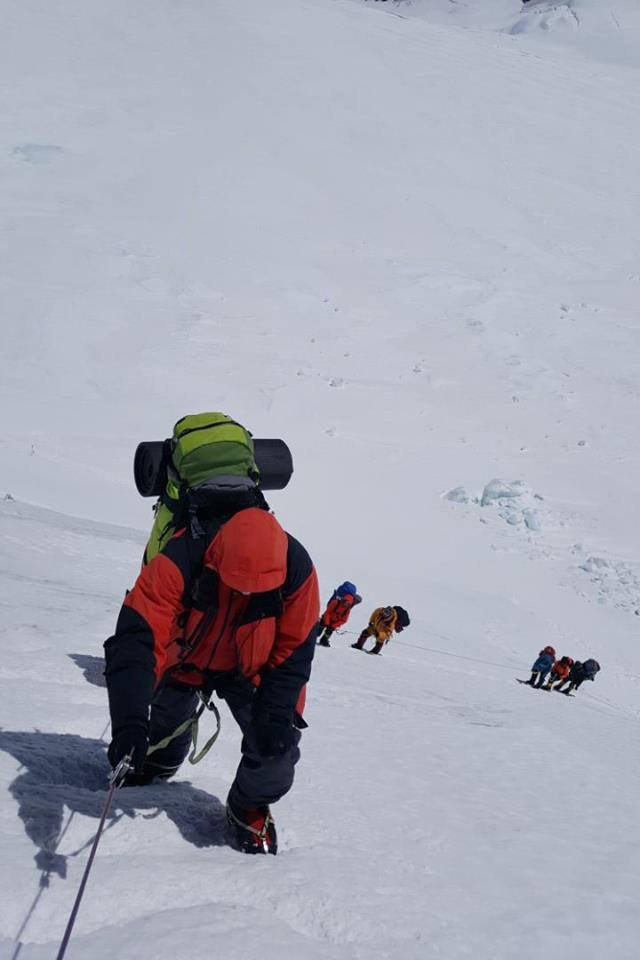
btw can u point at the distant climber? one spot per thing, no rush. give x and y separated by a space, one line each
578 674
343 599
541 667
559 672
384 621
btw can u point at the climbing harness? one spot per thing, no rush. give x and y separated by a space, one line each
192 723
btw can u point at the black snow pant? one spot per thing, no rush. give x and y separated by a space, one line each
259 780
325 633
571 685
537 678
364 636
362 639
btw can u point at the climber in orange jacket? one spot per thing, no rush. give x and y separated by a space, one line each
234 613
559 672
337 613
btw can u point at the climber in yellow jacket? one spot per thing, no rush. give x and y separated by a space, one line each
383 623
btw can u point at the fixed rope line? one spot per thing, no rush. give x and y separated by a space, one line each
632 715
116 779
45 874
445 653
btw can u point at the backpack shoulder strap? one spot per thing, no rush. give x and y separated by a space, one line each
188 553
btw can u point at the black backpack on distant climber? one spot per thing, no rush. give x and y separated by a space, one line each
403 618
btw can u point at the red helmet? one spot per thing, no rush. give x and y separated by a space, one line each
550 651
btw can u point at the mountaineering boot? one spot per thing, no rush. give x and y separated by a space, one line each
360 642
252 830
324 642
378 647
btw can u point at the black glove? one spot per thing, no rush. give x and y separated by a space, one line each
125 740
273 734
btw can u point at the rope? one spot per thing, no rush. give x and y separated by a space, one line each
116 779
45 874
444 653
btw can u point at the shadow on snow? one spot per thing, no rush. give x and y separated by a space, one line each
92 668
64 770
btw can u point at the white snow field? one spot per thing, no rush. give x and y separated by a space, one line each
403 237
603 30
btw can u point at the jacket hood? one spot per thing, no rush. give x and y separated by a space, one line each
250 552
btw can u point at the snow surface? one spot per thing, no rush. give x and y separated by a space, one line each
405 238
604 30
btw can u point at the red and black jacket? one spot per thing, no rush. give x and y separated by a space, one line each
337 612
182 622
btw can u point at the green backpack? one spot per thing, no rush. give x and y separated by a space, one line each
211 474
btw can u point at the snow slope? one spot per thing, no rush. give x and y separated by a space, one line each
411 250
607 31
